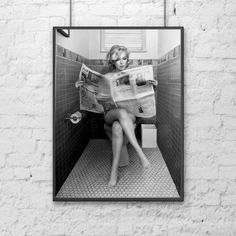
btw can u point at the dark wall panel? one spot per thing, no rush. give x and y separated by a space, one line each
169 112
70 139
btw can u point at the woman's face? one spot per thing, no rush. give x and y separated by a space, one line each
121 62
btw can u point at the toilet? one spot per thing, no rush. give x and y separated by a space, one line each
124 158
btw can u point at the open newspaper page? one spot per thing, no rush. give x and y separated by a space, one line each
129 89
95 94
132 91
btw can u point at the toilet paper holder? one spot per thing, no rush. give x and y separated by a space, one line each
74 118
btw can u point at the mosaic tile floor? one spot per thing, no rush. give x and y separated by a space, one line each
90 175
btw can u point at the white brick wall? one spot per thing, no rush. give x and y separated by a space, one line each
26 206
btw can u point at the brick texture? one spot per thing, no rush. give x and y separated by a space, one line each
26 204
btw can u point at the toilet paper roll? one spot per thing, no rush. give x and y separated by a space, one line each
76 117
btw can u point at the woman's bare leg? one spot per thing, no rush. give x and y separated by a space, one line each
117 141
126 121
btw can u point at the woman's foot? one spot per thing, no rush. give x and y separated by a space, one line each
113 180
145 163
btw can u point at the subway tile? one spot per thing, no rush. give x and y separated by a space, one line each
140 62
154 62
134 63
59 50
69 139
169 112
74 56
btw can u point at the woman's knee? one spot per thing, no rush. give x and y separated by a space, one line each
123 114
132 117
117 129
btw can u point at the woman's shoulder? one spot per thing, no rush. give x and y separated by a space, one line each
109 74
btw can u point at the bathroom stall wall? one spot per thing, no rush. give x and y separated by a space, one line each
169 112
76 43
167 40
70 139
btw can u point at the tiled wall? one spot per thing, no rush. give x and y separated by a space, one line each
169 112
70 139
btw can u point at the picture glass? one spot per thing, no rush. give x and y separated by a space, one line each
118 113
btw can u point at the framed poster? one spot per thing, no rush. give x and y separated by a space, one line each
118 114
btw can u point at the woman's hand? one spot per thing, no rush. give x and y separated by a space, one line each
78 84
102 98
152 82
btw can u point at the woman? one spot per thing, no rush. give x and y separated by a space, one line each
121 121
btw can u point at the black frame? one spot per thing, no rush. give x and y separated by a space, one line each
179 199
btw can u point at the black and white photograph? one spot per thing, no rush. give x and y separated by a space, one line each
118 113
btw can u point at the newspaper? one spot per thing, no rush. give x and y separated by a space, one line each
131 89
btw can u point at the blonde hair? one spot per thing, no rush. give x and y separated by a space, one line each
117 50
